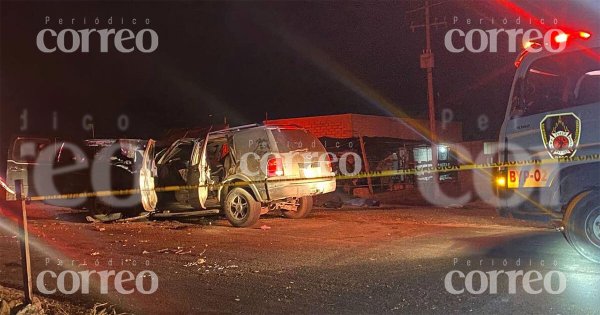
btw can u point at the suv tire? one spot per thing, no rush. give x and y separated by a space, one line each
582 224
241 209
305 205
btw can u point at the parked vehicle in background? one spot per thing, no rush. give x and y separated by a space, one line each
554 115
22 158
129 167
245 172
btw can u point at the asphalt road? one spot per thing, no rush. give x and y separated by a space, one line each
335 261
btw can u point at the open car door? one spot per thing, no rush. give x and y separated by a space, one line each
147 174
22 158
199 175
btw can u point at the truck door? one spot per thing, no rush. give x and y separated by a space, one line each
147 175
199 174
521 140
552 115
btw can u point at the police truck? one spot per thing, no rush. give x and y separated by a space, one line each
549 143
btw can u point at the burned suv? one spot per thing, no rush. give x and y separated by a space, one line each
245 172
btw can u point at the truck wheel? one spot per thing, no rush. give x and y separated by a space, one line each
305 205
241 209
582 224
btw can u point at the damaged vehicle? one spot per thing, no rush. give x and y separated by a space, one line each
244 172
126 169
104 176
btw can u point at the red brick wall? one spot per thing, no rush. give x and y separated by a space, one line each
352 125
333 126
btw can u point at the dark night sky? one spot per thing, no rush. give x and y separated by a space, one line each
241 60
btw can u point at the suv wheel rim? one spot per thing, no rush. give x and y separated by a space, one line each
593 227
239 207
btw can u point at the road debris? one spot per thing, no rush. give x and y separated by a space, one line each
198 262
141 217
179 251
99 228
104 218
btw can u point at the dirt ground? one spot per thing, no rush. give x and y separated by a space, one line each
360 260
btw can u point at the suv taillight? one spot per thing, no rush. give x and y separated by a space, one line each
274 166
328 163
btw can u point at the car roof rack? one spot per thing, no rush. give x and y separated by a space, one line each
235 128
276 125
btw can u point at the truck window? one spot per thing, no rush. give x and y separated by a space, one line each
26 150
250 146
296 140
557 82
181 151
251 141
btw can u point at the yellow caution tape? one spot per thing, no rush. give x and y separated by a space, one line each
376 174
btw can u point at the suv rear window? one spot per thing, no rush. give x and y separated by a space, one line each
557 82
26 150
289 140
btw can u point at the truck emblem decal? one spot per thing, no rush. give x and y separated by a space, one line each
560 134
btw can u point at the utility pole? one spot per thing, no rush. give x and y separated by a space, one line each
24 242
427 62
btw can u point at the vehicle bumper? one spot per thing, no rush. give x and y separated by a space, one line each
281 189
529 204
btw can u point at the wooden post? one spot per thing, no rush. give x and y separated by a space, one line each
24 243
367 168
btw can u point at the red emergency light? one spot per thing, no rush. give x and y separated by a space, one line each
560 38
584 35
